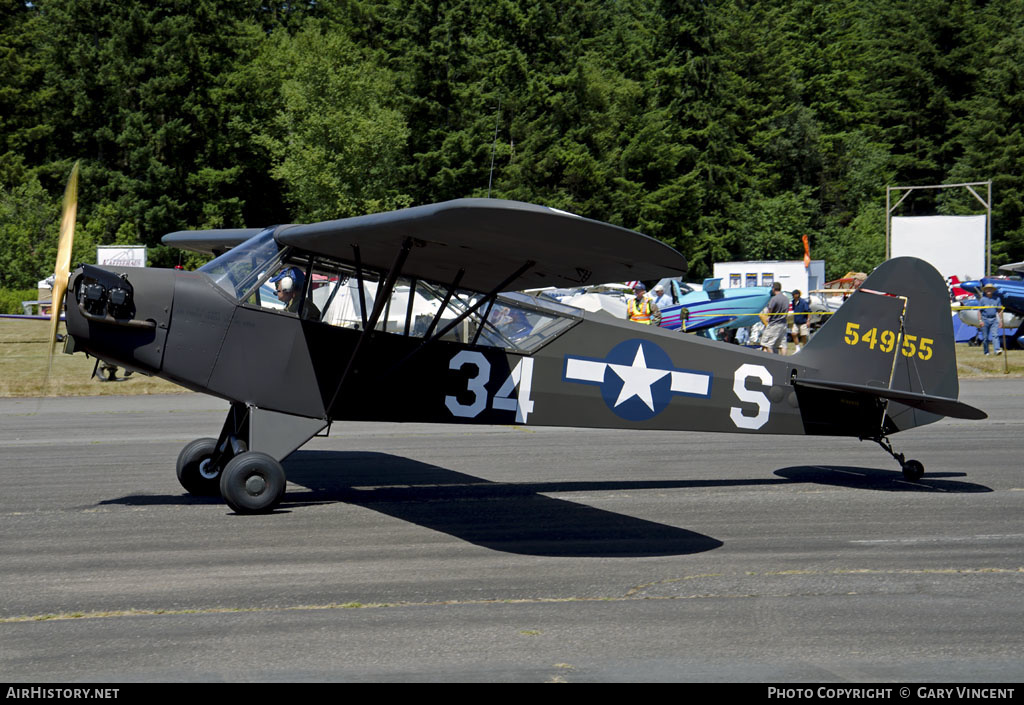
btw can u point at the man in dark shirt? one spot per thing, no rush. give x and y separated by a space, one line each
800 310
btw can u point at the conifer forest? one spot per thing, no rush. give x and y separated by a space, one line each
726 128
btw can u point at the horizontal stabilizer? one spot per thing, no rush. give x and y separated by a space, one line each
943 406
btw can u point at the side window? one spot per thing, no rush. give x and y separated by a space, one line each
336 295
335 292
520 322
284 286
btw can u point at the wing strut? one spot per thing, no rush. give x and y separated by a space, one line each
444 303
408 308
483 320
488 298
383 293
359 278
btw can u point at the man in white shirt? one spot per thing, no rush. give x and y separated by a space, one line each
661 298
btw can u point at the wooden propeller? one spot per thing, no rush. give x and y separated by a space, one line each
63 266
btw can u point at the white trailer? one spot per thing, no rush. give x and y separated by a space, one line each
790 273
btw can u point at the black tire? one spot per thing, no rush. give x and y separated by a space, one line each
913 470
252 483
195 471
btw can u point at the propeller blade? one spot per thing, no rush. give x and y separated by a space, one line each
63 266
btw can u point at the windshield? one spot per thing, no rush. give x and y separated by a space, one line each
238 269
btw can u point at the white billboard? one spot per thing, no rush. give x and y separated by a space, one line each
953 244
121 255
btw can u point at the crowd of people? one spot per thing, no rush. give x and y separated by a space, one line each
786 319
782 317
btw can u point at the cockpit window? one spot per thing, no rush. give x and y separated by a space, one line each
421 309
524 322
238 269
261 273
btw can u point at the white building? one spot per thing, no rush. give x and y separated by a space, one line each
791 274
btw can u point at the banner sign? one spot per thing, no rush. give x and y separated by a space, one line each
121 255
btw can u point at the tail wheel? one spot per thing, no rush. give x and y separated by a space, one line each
196 470
252 483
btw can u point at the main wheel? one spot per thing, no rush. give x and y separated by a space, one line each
252 482
196 471
913 470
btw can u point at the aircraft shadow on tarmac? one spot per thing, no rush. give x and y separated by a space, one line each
520 517
880 480
510 517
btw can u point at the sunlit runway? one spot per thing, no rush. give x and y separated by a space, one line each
420 552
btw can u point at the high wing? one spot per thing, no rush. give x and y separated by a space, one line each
489 240
209 242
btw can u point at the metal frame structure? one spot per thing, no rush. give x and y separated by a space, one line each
987 202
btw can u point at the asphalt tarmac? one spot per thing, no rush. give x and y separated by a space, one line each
462 553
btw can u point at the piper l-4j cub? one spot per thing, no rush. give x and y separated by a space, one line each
400 316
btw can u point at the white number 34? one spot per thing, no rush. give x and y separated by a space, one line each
520 379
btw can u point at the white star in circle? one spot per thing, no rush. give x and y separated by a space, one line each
637 379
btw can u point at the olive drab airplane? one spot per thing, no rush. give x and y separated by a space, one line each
401 316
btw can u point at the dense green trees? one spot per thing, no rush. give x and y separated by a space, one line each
729 129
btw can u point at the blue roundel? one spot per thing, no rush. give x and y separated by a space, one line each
638 379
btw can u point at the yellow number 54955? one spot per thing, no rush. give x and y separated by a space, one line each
885 341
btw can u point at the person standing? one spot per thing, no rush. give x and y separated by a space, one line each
801 307
661 299
991 322
773 339
641 308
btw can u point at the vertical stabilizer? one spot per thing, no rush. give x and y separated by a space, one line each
895 332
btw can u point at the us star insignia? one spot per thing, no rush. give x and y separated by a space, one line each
642 380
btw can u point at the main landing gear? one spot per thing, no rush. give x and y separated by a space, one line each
250 482
913 470
243 465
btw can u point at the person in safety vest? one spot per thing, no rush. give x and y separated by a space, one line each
642 309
